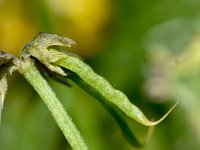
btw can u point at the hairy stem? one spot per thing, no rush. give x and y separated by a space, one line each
64 121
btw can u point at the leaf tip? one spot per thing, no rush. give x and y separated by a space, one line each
166 114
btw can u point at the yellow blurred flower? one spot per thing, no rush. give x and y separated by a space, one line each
86 20
15 31
82 20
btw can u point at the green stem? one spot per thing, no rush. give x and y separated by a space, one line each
64 121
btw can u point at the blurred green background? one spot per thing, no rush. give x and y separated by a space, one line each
148 49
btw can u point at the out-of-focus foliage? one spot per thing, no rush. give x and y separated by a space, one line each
148 49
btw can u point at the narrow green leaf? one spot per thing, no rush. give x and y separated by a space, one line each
104 87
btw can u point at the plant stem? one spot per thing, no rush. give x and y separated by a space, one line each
64 121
